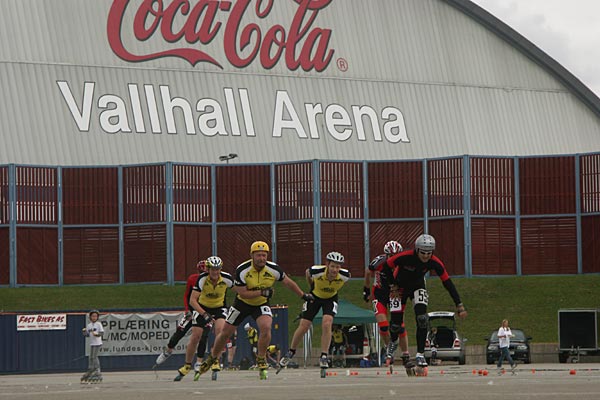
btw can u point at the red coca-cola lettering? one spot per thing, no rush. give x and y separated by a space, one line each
301 45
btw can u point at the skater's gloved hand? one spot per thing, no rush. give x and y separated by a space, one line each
267 292
208 319
366 293
461 311
308 297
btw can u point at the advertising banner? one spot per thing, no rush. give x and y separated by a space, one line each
41 322
138 334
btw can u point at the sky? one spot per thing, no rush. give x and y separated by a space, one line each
567 30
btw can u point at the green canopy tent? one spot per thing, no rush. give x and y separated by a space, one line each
349 314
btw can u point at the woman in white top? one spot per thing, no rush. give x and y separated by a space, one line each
504 335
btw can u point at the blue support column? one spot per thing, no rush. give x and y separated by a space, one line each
467 216
12 228
59 207
425 198
121 229
366 213
317 211
518 217
169 220
273 212
578 213
213 200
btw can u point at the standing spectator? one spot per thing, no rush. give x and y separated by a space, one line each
254 280
339 344
325 281
504 335
94 331
410 268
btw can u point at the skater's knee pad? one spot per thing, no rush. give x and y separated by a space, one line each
422 320
396 328
384 327
402 331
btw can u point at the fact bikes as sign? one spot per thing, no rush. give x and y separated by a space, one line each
185 26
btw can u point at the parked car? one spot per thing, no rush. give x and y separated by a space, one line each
441 330
520 348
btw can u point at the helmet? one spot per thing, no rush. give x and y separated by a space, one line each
247 326
214 262
259 246
94 312
201 266
425 243
392 247
335 257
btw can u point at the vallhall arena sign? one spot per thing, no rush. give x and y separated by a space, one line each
220 35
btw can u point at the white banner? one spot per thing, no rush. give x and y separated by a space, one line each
138 334
41 322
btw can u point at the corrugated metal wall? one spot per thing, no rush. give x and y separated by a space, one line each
490 216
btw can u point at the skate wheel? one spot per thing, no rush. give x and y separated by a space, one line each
178 378
214 375
421 371
323 372
263 374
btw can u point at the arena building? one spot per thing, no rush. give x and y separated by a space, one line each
141 135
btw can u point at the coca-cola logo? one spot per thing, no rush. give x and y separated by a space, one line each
299 43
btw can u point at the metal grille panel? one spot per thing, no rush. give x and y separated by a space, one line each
145 253
234 243
450 240
549 246
191 244
341 190
590 243
36 189
396 190
445 187
547 185
38 256
294 191
4 203
4 256
192 193
243 193
144 194
90 196
91 255
492 186
590 183
493 243
348 238
382 232
295 247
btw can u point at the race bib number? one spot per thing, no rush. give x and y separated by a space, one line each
266 310
395 304
421 297
232 315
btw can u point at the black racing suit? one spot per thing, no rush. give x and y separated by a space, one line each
409 276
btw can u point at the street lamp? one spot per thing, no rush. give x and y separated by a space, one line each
228 157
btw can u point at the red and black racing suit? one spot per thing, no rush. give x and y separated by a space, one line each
409 276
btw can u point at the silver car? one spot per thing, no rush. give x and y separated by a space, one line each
443 337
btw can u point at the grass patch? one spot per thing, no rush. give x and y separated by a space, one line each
530 303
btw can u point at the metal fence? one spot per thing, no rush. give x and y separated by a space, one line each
151 223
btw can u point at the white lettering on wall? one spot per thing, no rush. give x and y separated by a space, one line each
167 112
